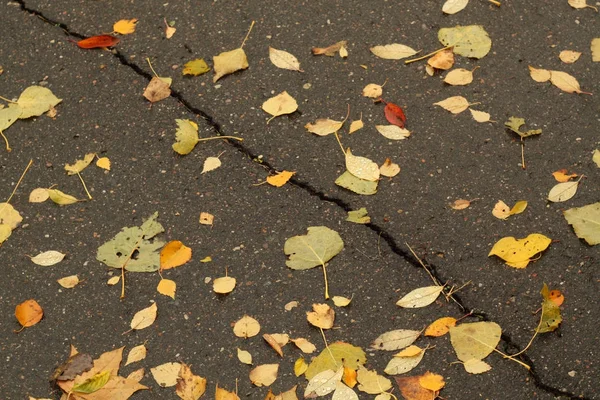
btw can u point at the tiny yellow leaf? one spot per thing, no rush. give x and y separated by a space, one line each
113 281
539 75
300 366
167 287
103 163
356 125
125 26
79 165
224 285
480 116
68 282
136 354
244 356
340 301
210 164
280 179
432 381
459 77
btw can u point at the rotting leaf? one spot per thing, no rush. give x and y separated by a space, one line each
411 389
73 366
586 222
517 253
551 317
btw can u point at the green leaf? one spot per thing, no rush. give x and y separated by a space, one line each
315 248
117 251
186 136
92 384
359 216
333 357
586 222
60 198
9 115
356 185
514 124
468 41
551 317
36 100
195 67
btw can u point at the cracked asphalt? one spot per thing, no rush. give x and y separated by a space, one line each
447 157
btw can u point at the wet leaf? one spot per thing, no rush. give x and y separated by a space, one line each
189 386
329 50
166 374
357 185
440 326
343 392
322 316
334 357
323 383
475 340
454 6
563 191
99 41
36 100
167 287
92 384
244 356
586 222
371 382
361 167
315 248
75 365
514 124
420 297
29 313
468 41
360 216
186 136
174 254
125 26
68 282
283 59
246 327
264 375
281 104
389 169
395 340
443 60
569 56
454 104
48 258
551 317
404 361
280 179
156 90
195 67
144 318
393 132
517 253
136 354
229 62
459 77
394 51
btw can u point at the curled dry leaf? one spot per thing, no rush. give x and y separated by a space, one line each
569 56
48 258
502 211
283 59
246 327
60 198
394 51
281 104
229 62
68 282
361 167
166 374
454 104
389 169
273 343
99 41
38 195
442 60
144 318
329 50
291 305
322 316
29 313
264 375
373 91
125 26
393 132
454 6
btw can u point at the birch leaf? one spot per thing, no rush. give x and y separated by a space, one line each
475 340
186 136
454 6
144 318
9 115
80 165
29 313
395 340
9 216
264 375
401 364
246 327
341 301
103 163
92 384
324 126
468 41
517 253
174 254
443 60
300 366
440 326
323 383
356 185
210 164
459 77
361 167
281 104
563 191
578 4
189 386
393 132
166 374
480 116
394 51
125 26
565 82
569 56
167 287
420 297
195 67
336 356
389 169
229 62
322 316
136 354
596 157
431 381
371 382
244 356
36 100
551 317
48 258
356 125
315 248
474 366
454 104
224 285
280 179
373 91
283 59
304 345
586 222
539 75
68 282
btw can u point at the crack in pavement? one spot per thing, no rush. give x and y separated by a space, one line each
509 346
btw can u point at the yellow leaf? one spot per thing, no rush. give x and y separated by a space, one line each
460 204
166 374
136 354
9 216
393 132
474 366
304 345
468 41
565 82
454 6
79 165
174 254
475 340
36 100
60 198
480 116
562 176
373 91
563 191
551 317
29 313
246 327
371 382
206 259
595 49
273 343
539 75
322 316
167 287
186 136
361 167
340 301
329 50
360 216
410 351
324 126
420 297
323 383
280 179
569 56
440 326
195 67
394 51
103 163
244 356
113 281
189 386
389 168
229 62
68 282
405 361
349 377
581 4
281 104
300 366
38 195
596 157
395 340
356 125
48 258
501 210
206 219
224 285
125 26
264 375
222 394
443 60
336 355
432 381
518 252
210 164
518 208
144 318
283 59
356 185
459 77
454 104
92 384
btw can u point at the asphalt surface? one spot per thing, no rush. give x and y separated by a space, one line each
447 157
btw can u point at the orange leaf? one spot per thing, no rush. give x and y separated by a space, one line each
440 326
98 41
411 389
432 381
29 313
167 287
556 297
349 377
174 254
562 176
280 179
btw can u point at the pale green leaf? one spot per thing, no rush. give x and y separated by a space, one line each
315 248
337 355
195 67
9 115
186 136
468 41
36 100
475 340
395 340
586 222
356 185
60 198
92 384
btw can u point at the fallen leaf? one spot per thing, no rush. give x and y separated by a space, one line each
38 195
565 82
389 169
144 318
460 204
443 60
411 389
125 26
68 282
596 158
36 100
394 114
48 258
420 297
278 105
206 218
569 56
114 280
395 340
356 125
291 305
186 136
373 91
468 41
480 116
92 384
283 59
136 375
222 394
343 392
459 77
103 163
189 386
29 313
562 176
581 4
323 383
454 104
454 6
264 375
324 126
392 132
224 285
99 41
360 216
563 191
475 340
551 317
322 316
167 287
371 382
75 365
244 356
273 343
166 374
329 50
514 124
304 345
174 254
136 354
357 185
315 248
502 211
287 395
404 361
280 179
394 51
431 381
210 164
336 355
156 90
474 366
9 115
195 67
361 167
349 377
440 326
586 222
229 62
517 253
595 49
539 75
79 165
246 327
556 297
169 29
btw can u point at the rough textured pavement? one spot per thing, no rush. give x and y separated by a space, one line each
448 157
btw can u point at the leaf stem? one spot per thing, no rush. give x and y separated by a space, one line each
247 34
494 2
340 143
6 141
150 64
327 346
84 186
523 154
427 55
7 100
135 247
220 137
18 183
326 283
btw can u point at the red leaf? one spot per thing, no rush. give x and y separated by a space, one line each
98 41
394 114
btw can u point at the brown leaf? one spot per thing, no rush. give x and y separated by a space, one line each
75 365
411 389
329 50
442 60
29 313
189 386
157 90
